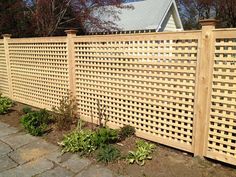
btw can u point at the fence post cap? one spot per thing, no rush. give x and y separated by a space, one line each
208 22
71 31
6 35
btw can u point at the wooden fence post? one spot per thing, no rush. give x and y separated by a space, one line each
203 87
71 60
6 37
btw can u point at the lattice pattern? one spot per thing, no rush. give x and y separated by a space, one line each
144 82
39 71
222 130
4 88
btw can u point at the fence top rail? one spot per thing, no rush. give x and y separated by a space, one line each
38 40
225 29
221 33
142 36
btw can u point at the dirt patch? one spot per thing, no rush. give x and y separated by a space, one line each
166 162
12 118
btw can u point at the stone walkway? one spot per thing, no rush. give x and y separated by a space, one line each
22 155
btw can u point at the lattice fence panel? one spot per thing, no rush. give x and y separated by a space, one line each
146 81
39 70
222 127
4 88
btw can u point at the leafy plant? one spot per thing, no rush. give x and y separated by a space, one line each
108 153
105 136
79 141
36 122
87 141
143 152
27 110
5 104
65 113
126 132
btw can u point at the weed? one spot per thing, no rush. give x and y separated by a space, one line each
102 115
108 153
143 152
80 125
105 136
126 132
65 113
27 110
36 122
5 104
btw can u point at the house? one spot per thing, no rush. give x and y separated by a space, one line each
147 15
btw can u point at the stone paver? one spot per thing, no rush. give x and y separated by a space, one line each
3 125
6 163
57 172
58 157
96 171
4 149
29 169
70 161
22 155
76 163
7 131
18 140
32 151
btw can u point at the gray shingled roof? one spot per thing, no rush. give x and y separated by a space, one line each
147 14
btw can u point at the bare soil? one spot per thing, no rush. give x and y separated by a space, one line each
166 162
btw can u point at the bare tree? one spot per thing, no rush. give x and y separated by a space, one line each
193 10
51 15
91 13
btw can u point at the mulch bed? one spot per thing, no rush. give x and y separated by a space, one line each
166 162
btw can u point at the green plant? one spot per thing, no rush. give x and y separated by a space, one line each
105 136
79 141
143 152
65 113
126 132
27 110
108 153
5 104
36 122
87 141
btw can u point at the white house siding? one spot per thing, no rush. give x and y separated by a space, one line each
171 25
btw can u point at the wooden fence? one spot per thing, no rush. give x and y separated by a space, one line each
177 89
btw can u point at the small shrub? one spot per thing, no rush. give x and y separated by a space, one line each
27 110
36 122
105 136
5 104
108 153
65 113
79 141
126 132
143 152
